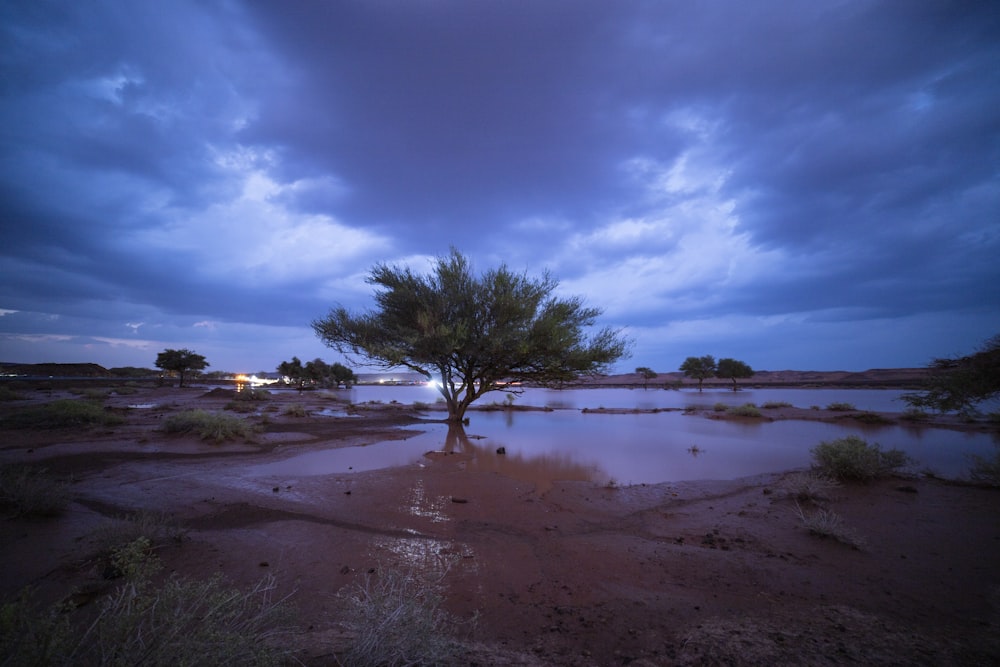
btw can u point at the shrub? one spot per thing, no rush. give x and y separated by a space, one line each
182 622
64 413
421 405
296 410
840 407
720 407
853 459
398 620
156 527
872 418
250 394
32 492
208 425
745 410
824 523
811 487
773 405
914 415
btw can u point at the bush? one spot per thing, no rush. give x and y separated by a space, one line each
914 415
840 407
872 418
824 523
182 622
421 405
250 394
745 410
31 492
720 407
398 620
64 413
853 459
156 527
773 405
208 425
811 487
296 410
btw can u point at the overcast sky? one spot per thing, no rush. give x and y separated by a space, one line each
800 185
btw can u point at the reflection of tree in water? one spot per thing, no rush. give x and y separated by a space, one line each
540 470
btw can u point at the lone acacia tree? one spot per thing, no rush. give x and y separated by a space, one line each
180 361
474 334
647 374
960 383
699 368
733 369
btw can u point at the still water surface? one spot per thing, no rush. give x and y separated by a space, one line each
566 444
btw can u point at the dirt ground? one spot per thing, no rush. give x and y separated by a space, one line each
574 574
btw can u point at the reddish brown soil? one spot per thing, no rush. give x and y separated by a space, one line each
576 574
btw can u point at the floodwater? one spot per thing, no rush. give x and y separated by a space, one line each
567 444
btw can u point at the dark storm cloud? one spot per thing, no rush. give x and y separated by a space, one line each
217 170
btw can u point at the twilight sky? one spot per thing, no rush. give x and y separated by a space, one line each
803 185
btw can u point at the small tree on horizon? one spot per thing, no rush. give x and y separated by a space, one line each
733 369
699 368
647 374
180 361
474 334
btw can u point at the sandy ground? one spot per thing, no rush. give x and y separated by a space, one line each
574 574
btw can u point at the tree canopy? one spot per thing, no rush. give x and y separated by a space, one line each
474 334
733 369
699 368
960 383
180 362
317 371
647 374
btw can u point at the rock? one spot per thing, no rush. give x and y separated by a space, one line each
460 501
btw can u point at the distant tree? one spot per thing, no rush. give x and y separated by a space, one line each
647 375
960 383
294 371
476 334
342 375
180 362
699 368
733 369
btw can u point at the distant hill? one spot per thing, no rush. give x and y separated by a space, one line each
54 370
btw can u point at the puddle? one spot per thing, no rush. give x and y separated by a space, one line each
387 454
331 412
142 406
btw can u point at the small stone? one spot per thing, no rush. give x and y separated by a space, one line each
264 563
345 570
275 489
460 501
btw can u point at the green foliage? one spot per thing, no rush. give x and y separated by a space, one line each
244 400
720 407
808 487
840 407
64 413
647 374
773 405
474 333
180 362
208 425
398 619
699 368
733 369
961 383
32 492
155 527
745 410
853 459
318 372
